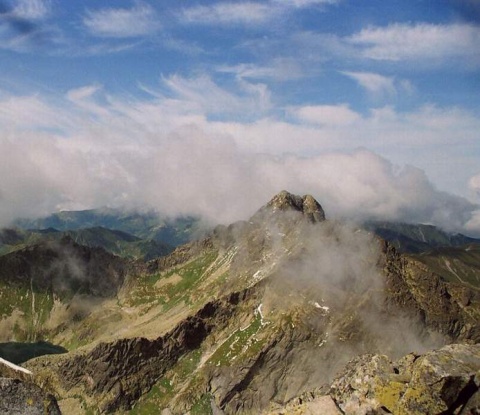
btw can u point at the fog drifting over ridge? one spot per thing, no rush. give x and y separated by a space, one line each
90 149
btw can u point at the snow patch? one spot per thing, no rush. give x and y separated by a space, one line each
258 311
324 308
15 367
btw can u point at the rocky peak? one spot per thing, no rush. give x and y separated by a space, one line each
285 201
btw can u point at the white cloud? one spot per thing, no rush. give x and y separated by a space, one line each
421 42
380 86
83 97
228 13
140 20
204 95
326 114
78 94
30 112
280 69
375 84
305 3
474 184
32 9
245 12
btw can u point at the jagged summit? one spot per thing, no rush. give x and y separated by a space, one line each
307 205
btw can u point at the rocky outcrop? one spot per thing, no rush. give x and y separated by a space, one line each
285 201
445 381
22 398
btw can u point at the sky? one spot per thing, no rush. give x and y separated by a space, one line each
212 107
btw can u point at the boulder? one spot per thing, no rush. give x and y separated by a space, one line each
444 381
23 398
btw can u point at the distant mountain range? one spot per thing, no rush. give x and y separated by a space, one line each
129 234
417 238
114 241
146 225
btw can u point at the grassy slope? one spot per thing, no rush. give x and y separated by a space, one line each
455 264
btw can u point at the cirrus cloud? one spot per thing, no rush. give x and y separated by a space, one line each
419 42
140 20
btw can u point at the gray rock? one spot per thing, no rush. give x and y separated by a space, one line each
444 381
21 398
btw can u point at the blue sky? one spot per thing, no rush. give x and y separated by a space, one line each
372 106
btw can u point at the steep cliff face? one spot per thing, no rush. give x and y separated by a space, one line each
452 309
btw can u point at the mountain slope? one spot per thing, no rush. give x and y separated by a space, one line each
455 264
417 238
48 286
260 313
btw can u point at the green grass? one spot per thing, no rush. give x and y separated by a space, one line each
240 342
202 405
458 265
164 390
145 293
13 297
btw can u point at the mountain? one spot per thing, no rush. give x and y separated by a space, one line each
47 286
261 316
114 241
146 225
417 238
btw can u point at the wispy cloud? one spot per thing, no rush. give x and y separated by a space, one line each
228 13
32 9
374 83
24 25
380 86
83 98
204 95
245 12
280 69
420 42
140 20
304 3
331 115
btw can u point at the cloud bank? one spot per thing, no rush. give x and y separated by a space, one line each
177 152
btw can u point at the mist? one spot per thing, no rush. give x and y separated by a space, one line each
333 277
190 173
